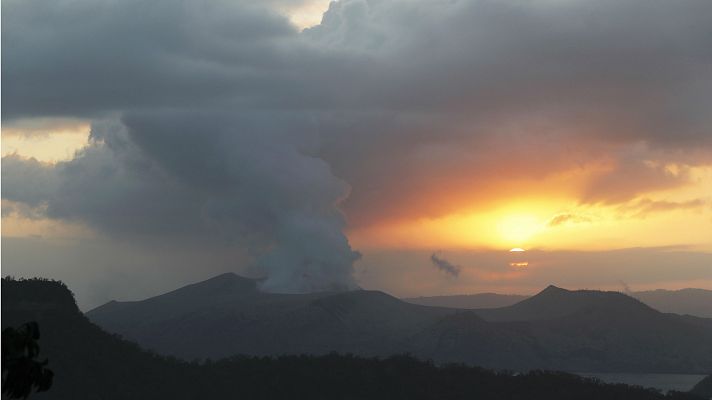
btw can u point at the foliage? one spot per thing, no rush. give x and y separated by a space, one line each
21 371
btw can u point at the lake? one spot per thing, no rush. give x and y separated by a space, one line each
663 382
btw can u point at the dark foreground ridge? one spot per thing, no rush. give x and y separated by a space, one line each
556 329
91 364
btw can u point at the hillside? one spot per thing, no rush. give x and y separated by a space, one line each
91 364
226 315
695 302
556 329
554 302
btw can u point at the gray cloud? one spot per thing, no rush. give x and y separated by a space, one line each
228 124
545 85
27 181
257 191
444 265
638 63
631 177
84 58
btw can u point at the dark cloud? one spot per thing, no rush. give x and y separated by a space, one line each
83 58
219 120
207 178
631 178
472 93
444 265
638 65
27 181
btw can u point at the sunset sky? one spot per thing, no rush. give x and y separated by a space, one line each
397 145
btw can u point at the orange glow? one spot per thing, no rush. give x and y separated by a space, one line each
552 221
518 228
545 212
47 140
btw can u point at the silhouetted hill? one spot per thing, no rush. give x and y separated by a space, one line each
468 301
595 331
556 329
238 319
554 302
465 337
695 302
625 338
91 364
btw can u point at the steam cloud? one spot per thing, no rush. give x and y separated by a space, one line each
204 177
445 265
626 288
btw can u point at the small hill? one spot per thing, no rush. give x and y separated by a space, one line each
554 302
587 330
92 364
694 302
467 338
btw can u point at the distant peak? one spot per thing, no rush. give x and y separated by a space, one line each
229 277
553 289
228 282
226 276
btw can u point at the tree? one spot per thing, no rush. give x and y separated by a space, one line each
21 371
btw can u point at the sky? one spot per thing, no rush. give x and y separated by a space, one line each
403 146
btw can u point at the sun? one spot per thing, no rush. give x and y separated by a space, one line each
518 260
517 229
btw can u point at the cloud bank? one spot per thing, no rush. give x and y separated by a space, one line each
219 121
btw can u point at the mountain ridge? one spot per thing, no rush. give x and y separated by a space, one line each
689 301
556 329
90 363
555 302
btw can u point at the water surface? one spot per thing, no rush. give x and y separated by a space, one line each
662 382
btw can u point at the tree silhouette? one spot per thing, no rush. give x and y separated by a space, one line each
21 371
